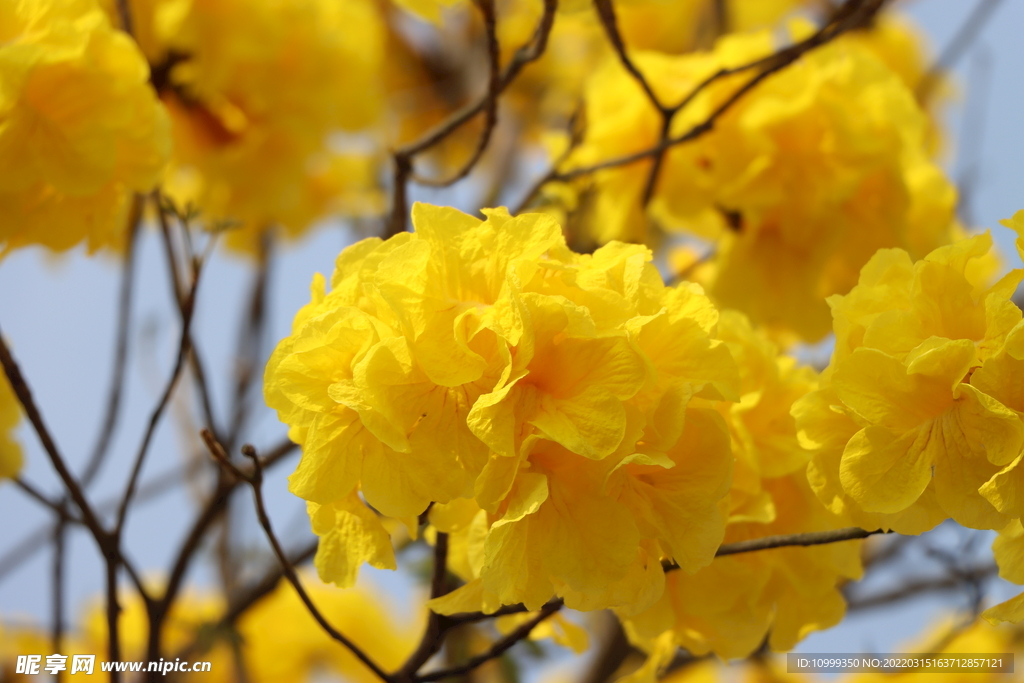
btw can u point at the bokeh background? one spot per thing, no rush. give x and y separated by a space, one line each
59 313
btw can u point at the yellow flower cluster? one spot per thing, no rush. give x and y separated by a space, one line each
80 127
797 185
540 398
10 415
573 422
730 606
916 419
259 93
279 641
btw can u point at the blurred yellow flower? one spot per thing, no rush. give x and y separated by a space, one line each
10 416
80 126
265 98
797 184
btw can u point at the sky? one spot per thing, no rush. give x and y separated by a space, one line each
58 314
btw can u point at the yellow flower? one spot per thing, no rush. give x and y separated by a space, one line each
482 366
279 640
1008 549
10 415
80 127
729 606
764 438
261 96
794 189
915 413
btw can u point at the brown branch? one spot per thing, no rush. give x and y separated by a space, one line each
437 625
124 13
788 540
615 648
806 539
256 482
917 587
403 156
40 497
28 404
490 99
124 306
606 13
187 307
497 649
161 484
57 583
184 347
247 355
956 48
853 14
245 600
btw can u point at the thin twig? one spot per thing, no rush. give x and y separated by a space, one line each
28 404
124 308
437 625
124 13
247 355
256 482
490 99
57 579
917 587
606 13
497 649
40 497
964 38
244 601
788 540
403 156
160 484
853 14
184 347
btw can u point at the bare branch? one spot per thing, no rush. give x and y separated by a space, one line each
490 99
788 540
241 603
606 13
403 156
124 308
853 14
437 625
964 38
184 347
917 587
256 482
497 649
28 404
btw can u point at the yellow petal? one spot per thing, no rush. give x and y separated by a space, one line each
1011 611
350 534
886 473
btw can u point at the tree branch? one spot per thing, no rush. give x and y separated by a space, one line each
497 649
788 540
256 482
853 14
917 587
490 102
403 156
184 347
956 48
124 308
437 625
